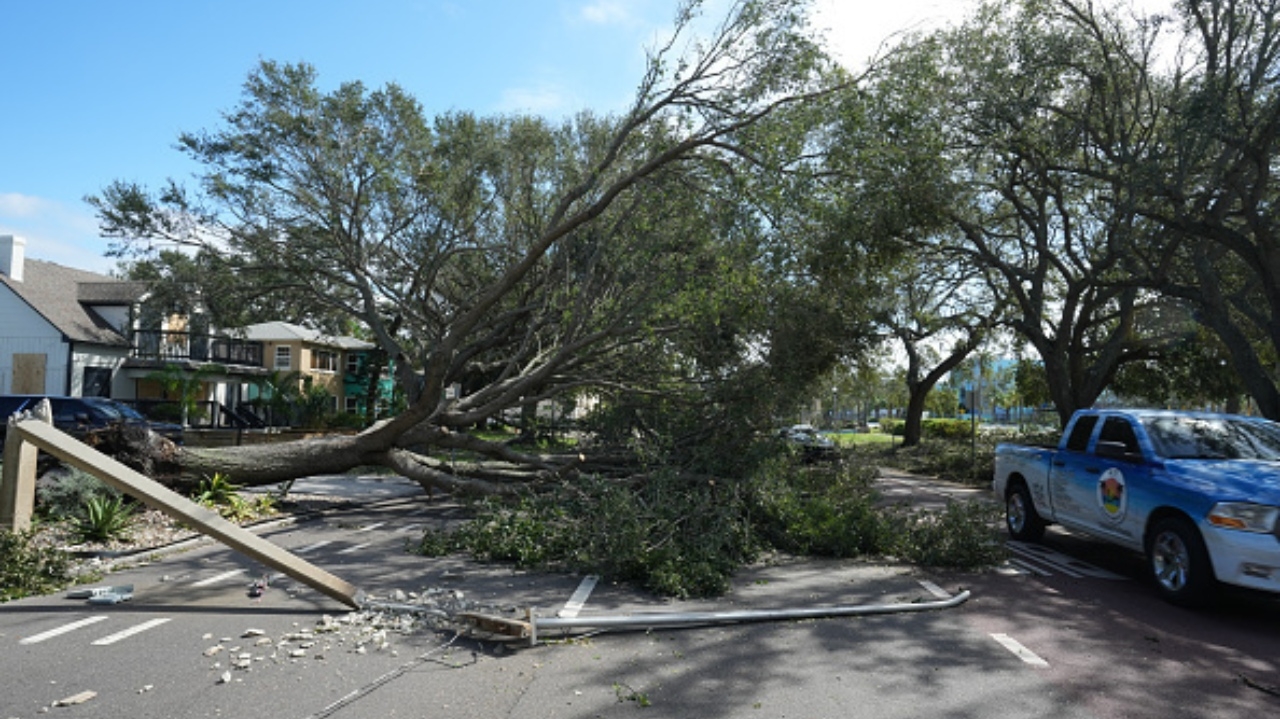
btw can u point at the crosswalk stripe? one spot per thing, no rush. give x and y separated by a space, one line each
1019 651
35 639
217 578
579 597
126 633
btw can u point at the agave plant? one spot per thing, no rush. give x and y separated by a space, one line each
103 519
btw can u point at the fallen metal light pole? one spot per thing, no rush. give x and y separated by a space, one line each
667 620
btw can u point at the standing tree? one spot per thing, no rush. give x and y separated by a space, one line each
530 259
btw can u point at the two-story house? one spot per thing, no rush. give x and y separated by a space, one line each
71 332
337 365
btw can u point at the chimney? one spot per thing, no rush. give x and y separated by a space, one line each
12 255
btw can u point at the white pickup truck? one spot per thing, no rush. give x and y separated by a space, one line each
1199 494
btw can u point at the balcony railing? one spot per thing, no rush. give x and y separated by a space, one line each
175 346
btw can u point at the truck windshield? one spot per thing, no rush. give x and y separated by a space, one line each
1213 438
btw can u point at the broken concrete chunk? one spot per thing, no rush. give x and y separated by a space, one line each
74 699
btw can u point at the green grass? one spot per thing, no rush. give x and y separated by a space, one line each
862 439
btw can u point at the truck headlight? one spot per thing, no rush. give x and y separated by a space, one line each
1245 516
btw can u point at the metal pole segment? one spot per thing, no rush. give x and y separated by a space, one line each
676 619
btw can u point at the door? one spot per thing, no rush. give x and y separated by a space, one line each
1105 482
1069 462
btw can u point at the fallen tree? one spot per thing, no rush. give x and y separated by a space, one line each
523 261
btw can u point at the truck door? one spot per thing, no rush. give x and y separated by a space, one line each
1067 462
1107 481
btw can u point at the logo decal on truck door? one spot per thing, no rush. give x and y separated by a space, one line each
1112 498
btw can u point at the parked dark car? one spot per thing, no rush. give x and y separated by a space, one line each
77 416
814 446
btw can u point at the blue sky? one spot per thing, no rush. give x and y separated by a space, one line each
94 91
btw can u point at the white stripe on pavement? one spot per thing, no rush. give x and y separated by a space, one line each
369 527
579 598
407 528
354 548
934 589
126 633
1019 651
313 547
61 630
218 578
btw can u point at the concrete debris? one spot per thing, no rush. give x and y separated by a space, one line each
373 628
74 699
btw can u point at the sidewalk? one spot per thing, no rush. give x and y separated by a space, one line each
898 487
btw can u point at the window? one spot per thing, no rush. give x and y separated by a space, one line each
1080 433
97 382
1118 429
353 363
353 405
284 357
324 360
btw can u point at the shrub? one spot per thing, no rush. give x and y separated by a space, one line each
102 519
947 428
62 494
894 427
27 569
217 490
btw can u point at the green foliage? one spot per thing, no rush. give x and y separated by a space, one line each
685 537
217 490
894 427
820 511
27 569
946 428
964 535
63 494
102 520
675 536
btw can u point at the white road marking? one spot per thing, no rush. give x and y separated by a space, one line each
370 527
1063 563
1019 651
354 548
579 598
934 589
35 639
1021 567
407 528
218 578
126 633
313 547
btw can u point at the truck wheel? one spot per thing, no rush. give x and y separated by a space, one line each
1020 516
1179 562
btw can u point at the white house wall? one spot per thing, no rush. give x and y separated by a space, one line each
99 356
26 332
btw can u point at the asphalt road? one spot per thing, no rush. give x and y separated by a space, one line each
1069 629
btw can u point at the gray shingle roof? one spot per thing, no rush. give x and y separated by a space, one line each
286 332
64 297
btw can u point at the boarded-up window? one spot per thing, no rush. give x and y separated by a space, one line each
28 373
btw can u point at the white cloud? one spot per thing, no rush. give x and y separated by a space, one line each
858 31
544 100
13 204
606 12
55 231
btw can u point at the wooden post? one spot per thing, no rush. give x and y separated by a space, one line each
18 482
154 494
